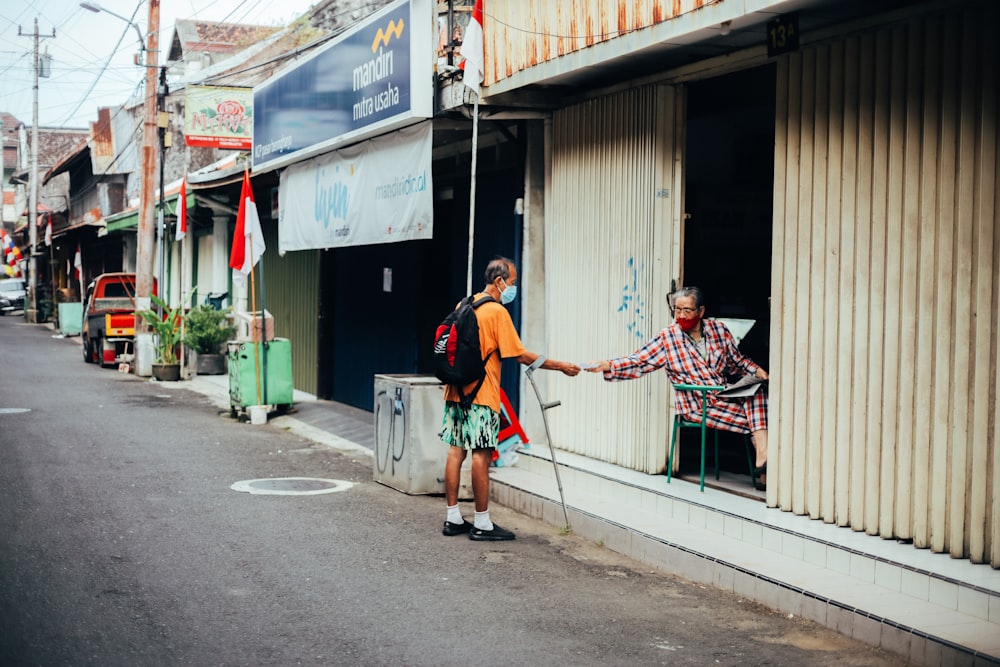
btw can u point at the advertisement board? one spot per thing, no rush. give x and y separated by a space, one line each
376 191
376 77
218 117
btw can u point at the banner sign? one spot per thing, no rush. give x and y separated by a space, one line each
378 191
218 117
374 78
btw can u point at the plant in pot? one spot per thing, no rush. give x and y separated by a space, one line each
168 336
207 330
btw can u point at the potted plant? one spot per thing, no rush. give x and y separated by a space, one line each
168 336
206 331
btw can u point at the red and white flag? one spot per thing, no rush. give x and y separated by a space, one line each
472 50
248 239
48 232
182 218
77 263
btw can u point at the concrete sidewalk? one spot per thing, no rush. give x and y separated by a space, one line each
928 608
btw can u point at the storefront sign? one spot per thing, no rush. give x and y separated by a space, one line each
375 78
218 117
377 191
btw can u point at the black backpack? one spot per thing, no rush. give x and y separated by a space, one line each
458 360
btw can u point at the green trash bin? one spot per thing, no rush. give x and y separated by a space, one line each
70 318
273 361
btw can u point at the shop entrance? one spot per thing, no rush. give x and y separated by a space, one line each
729 170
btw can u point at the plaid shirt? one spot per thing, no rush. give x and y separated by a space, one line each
675 352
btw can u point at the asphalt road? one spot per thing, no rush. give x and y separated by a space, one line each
122 543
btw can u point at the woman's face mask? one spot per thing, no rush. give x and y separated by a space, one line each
688 317
689 323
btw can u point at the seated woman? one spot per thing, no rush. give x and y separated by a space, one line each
698 351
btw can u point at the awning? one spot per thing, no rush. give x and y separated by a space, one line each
130 217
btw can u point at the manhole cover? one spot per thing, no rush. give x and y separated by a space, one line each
13 411
291 486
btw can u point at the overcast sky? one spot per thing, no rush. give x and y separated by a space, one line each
92 54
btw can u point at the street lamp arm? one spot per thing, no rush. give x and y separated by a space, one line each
96 8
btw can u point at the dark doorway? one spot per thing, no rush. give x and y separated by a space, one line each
380 304
728 200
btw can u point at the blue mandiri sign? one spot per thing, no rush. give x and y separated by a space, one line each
367 82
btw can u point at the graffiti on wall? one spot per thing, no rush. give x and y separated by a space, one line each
633 303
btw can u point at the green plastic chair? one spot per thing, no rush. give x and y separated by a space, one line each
680 422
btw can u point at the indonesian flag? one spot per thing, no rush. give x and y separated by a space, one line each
248 239
77 263
472 50
48 232
182 217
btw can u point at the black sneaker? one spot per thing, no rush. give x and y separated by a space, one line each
498 534
451 529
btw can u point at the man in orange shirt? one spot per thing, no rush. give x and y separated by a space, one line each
478 427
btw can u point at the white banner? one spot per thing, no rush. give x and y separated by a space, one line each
378 191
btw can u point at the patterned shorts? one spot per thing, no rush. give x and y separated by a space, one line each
475 428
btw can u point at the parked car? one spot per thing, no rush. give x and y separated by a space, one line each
11 295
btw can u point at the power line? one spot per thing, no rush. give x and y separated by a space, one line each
107 62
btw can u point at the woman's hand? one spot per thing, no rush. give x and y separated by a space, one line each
598 367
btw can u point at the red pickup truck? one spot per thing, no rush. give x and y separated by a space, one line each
108 328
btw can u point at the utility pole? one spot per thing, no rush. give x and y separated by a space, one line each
146 237
32 313
162 123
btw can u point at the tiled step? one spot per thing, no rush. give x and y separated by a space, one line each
927 607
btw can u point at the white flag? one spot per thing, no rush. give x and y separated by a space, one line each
472 50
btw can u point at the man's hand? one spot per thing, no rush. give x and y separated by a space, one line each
598 366
761 373
565 367
569 369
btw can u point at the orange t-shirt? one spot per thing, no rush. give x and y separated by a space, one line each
496 332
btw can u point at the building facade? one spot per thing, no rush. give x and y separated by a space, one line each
841 192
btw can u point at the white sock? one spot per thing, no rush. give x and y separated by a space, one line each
482 521
454 516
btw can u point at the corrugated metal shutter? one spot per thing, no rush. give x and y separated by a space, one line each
886 256
293 300
610 248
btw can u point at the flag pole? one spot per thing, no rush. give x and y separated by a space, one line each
263 329
472 193
52 270
184 297
253 320
184 300
473 66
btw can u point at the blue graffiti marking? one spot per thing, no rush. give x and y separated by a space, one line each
633 305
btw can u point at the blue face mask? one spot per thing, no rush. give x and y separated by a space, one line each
508 293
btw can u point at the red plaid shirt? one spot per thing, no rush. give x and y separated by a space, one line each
675 352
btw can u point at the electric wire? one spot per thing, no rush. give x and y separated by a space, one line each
104 69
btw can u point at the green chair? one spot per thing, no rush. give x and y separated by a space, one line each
680 422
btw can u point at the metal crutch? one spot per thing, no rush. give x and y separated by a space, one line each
530 372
